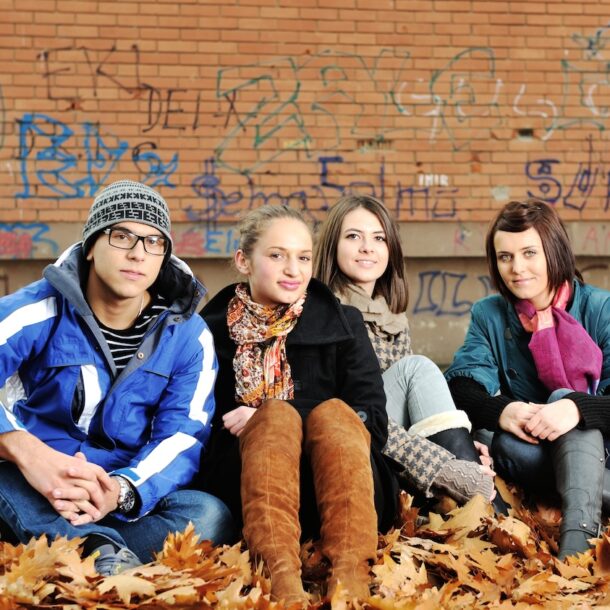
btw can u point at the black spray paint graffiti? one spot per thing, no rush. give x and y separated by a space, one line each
162 106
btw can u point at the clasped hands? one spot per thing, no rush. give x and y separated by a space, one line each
532 422
80 491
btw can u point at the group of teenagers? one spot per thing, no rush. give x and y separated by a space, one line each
292 405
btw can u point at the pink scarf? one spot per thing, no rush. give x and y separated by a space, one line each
564 353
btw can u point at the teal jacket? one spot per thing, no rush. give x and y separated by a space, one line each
495 352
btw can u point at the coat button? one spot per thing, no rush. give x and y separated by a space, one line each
512 373
362 415
140 355
176 318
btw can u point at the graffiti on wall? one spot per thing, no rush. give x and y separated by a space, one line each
443 293
436 201
25 240
591 179
311 107
51 166
289 97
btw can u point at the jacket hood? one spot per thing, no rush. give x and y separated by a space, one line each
175 282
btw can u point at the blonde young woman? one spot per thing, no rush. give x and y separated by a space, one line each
300 416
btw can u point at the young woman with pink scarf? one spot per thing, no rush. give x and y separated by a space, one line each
535 367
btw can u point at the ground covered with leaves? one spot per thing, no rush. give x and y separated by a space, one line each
466 558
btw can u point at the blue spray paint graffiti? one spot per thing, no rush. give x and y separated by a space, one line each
439 293
434 201
579 191
47 162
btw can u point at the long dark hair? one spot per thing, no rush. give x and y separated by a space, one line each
518 216
392 285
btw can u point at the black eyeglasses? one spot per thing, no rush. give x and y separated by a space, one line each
126 240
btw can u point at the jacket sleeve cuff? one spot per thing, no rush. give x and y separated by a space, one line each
144 503
483 409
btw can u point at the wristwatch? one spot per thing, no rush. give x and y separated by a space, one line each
127 496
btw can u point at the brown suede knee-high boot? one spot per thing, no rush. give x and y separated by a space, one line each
270 446
339 448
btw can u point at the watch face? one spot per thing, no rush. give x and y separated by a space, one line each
127 497
129 501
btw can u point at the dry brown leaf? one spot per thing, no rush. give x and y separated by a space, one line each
231 597
536 588
400 579
234 558
547 514
183 549
25 577
127 586
407 514
569 570
513 536
469 518
509 494
601 565
6 603
182 594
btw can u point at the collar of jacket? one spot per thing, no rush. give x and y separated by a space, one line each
176 282
322 321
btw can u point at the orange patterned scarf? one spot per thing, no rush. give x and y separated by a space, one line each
261 368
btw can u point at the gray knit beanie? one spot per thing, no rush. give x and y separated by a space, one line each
127 200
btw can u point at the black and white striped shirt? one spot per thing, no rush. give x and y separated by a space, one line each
124 343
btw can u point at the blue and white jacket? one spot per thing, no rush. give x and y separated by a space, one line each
149 423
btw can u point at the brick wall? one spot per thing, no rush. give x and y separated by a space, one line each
443 108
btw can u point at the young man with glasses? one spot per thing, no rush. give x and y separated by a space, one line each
109 376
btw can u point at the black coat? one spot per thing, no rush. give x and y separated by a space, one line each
330 356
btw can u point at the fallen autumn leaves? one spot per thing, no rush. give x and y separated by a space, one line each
467 559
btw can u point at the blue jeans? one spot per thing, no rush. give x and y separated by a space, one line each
415 389
25 513
523 463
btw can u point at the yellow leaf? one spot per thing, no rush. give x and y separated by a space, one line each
184 594
183 549
400 579
233 557
127 586
536 588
